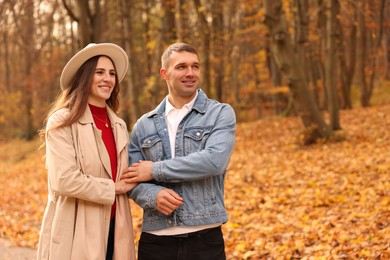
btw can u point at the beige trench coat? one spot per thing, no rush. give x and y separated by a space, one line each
81 192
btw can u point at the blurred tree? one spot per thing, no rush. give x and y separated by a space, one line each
128 94
330 65
24 16
369 42
301 32
287 61
88 16
4 56
168 26
346 51
387 40
205 35
218 47
183 21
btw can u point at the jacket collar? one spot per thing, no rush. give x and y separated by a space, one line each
199 105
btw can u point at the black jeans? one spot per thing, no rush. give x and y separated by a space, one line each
202 245
110 244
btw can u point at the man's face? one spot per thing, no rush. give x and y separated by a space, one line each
182 75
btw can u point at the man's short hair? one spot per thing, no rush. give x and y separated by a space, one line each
176 47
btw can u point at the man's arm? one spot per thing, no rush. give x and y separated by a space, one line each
150 195
213 160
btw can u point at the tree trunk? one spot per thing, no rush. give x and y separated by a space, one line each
330 65
377 39
218 48
233 50
28 45
346 53
235 72
166 36
301 32
205 47
129 95
85 33
362 54
147 26
387 40
7 67
282 50
276 77
387 52
168 30
314 68
88 20
182 32
321 25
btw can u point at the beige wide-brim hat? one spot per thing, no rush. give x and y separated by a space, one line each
116 53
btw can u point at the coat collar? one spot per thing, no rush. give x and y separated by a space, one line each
119 131
87 117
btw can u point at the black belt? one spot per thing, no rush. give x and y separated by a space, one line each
193 234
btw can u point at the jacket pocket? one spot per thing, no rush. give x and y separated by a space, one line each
195 138
152 148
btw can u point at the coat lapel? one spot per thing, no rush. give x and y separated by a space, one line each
87 118
118 128
104 157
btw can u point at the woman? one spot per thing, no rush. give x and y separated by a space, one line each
88 214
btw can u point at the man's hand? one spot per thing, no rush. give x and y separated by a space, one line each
168 201
138 172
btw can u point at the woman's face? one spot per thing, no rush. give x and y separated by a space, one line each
103 82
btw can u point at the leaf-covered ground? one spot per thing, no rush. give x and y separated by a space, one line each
285 201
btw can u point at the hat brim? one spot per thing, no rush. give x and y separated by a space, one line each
116 53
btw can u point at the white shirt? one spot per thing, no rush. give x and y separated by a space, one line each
173 118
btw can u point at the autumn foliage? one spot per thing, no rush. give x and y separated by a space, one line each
285 201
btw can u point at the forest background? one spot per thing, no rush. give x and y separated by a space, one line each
321 65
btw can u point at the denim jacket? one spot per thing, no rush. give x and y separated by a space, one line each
204 143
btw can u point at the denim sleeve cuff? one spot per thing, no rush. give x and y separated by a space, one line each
152 197
157 171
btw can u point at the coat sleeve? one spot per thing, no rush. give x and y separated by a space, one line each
65 176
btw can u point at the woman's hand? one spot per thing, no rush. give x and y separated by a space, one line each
122 186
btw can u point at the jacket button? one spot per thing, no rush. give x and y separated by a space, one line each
197 134
149 141
169 222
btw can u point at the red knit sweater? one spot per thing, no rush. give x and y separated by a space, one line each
103 123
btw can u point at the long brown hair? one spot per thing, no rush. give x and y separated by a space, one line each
75 96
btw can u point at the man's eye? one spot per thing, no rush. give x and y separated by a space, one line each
196 67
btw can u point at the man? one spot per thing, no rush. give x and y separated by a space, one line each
182 149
